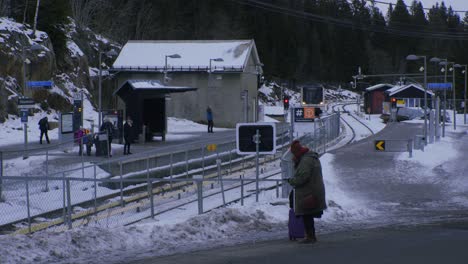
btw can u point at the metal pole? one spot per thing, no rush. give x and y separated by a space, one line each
64 195
25 127
199 181
1 176
291 131
121 185
170 171
28 206
95 193
47 172
242 189
203 160
445 100
437 119
69 220
454 100
464 106
425 100
218 164
100 91
82 158
257 148
150 197
186 163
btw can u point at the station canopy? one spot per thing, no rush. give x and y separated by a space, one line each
150 86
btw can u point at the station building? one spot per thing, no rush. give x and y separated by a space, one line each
157 79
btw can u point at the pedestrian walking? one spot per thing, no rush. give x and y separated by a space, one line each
44 128
128 136
309 189
108 128
209 118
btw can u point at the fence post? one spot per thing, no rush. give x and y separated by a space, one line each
242 189
203 161
121 185
28 206
1 176
410 147
82 157
150 197
69 218
277 188
47 172
147 169
199 181
95 193
218 164
186 163
64 199
170 171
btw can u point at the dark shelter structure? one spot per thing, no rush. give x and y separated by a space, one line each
145 102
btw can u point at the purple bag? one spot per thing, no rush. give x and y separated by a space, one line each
295 226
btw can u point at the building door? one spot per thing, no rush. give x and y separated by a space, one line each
378 98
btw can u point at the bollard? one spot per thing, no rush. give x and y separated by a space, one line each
95 194
170 170
150 197
28 206
410 148
69 218
199 180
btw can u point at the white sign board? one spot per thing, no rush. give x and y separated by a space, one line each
67 123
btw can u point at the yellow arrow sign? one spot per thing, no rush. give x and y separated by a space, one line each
380 145
211 147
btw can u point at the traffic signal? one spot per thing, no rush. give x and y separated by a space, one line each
286 102
393 101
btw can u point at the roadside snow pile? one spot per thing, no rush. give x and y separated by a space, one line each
94 245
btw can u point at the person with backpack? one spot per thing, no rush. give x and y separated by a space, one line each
127 129
309 189
44 128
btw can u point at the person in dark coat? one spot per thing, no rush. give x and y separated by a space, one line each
127 129
44 127
309 189
108 128
209 118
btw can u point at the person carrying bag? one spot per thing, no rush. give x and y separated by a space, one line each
309 189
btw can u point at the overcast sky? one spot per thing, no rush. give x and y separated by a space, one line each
458 5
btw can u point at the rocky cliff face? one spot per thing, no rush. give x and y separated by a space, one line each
22 54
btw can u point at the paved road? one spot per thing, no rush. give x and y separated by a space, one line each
437 243
402 191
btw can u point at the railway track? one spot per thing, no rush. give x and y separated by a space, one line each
343 107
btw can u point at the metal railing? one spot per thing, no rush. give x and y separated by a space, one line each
161 183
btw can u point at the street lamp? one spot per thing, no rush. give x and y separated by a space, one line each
173 56
217 60
413 58
445 63
111 53
464 102
454 98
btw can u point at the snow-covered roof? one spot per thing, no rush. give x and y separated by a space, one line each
154 85
194 54
378 86
399 88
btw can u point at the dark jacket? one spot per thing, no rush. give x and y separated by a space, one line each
108 127
127 132
43 124
307 180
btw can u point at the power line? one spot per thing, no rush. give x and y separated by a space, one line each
353 25
425 8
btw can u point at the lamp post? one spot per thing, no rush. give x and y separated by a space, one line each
173 56
454 98
446 63
217 60
25 124
464 101
412 58
111 53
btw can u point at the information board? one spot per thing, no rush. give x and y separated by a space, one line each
67 123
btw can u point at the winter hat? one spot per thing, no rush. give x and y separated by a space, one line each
297 150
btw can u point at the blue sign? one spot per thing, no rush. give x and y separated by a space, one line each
40 84
24 116
439 86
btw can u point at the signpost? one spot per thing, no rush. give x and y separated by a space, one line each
258 138
304 114
40 84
